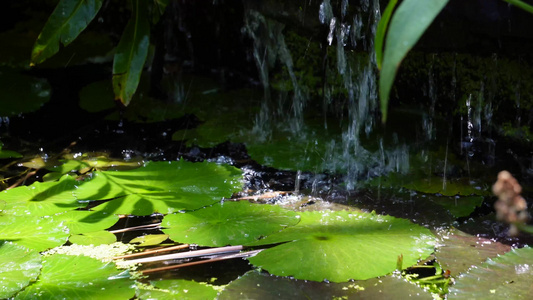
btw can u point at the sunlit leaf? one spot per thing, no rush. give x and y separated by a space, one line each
79 277
149 239
339 246
177 289
131 53
506 277
163 187
18 267
39 233
41 199
255 285
21 93
86 221
93 238
69 18
227 223
409 22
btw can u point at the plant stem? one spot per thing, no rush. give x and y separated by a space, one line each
520 4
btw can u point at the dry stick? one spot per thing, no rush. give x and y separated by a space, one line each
188 254
140 227
154 251
206 261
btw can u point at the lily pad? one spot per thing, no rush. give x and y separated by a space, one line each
21 93
93 238
79 277
86 221
18 267
177 289
459 206
150 239
228 223
41 199
163 187
8 153
506 277
255 285
339 246
38 233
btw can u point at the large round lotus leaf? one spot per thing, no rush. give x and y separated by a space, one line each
339 246
41 199
177 289
81 221
163 187
255 285
93 238
18 266
79 277
506 277
228 223
458 251
38 233
21 93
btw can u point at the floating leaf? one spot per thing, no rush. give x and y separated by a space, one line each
67 21
255 285
21 93
78 277
458 251
163 187
339 246
459 206
506 277
8 153
18 266
410 20
177 289
33 232
131 53
93 238
41 198
228 223
86 221
150 239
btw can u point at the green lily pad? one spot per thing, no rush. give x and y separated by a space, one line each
177 289
339 246
458 251
506 277
228 223
150 239
79 277
164 187
38 233
93 238
86 221
18 267
41 199
459 206
255 285
21 93
8 153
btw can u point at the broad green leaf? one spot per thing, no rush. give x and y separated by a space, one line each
150 239
93 238
228 223
79 221
177 289
79 277
21 93
506 277
408 23
459 206
18 267
38 233
131 53
255 285
523 5
163 187
67 21
8 153
339 246
381 30
457 251
41 198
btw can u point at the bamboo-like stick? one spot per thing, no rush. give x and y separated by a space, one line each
140 227
154 251
183 255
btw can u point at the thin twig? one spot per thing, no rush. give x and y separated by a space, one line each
154 251
183 255
140 227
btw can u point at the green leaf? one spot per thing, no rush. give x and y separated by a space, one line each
93 238
21 93
18 267
506 277
228 223
177 289
33 232
521 4
163 187
41 198
150 239
78 277
131 54
67 21
86 221
339 246
408 23
381 30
